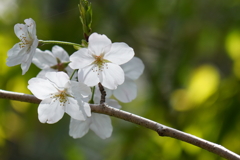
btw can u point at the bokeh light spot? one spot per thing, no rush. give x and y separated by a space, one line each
203 83
6 44
232 44
18 84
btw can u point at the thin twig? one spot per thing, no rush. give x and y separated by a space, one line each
103 93
162 130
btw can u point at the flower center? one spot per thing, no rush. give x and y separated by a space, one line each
24 41
62 97
59 66
100 63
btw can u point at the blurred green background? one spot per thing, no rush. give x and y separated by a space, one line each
191 51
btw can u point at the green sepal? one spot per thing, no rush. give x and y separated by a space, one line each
60 66
77 47
84 43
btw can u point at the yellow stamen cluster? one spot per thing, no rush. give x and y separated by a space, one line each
61 96
24 42
100 62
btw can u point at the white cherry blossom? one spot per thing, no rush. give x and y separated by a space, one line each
50 61
58 97
100 124
100 61
23 52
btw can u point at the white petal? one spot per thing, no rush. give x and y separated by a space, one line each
108 92
43 72
27 32
80 92
50 112
112 76
120 53
72 109
41 88
81 75
16 55
60 53
60 79
83 106
86 99
78 129
31 26
126 92
97 98
81 59
113 103
29 56
26 64
88 76
134 68
79 89
34 45
87 109
21 31
44 59
101 125
99 43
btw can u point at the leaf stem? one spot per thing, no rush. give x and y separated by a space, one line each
73 74
93 91
42 42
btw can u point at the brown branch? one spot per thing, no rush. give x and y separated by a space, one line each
103 93
162 130
19 97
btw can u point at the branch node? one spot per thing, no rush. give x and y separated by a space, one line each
160 130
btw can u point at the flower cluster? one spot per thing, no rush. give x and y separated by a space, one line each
67 84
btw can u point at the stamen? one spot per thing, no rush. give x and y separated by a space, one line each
24 42
62 97
100 63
